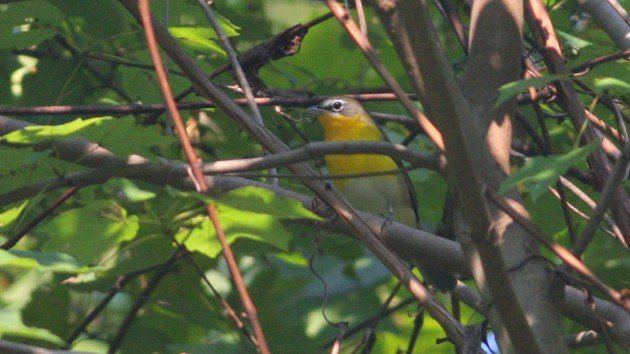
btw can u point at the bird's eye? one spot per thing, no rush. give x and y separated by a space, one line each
337 106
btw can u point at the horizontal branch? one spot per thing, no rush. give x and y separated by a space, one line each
410 243
140 108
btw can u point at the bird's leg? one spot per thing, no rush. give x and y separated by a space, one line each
320 208
389 218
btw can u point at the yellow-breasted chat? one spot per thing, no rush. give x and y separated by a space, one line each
392 195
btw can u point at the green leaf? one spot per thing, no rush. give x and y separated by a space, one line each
540 172
511 89
23 166
127 190
620 87
200 236
198 38
11 325
10 215
26 39
204 39
573 41
248 212
27 23
34 134
42 261
263 201
17 297
256 226
87 232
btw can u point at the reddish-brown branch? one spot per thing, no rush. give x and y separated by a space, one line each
564 254
586 67
370 53
542 28
260 101
195 165
281 45
158 108
366 233
449 12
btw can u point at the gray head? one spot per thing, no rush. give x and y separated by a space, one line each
338 106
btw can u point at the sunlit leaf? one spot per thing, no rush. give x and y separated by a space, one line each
540 172
127 190
26 23
198 38
34 134
511 89
260 200
10 215
573 41
43 261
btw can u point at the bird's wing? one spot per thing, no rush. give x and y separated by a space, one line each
405 177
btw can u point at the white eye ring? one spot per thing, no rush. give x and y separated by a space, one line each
337 106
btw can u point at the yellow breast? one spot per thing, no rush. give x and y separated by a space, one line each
354 129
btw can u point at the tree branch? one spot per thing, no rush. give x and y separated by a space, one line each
612 18
542 28
492 242
194 162
410 243
331 197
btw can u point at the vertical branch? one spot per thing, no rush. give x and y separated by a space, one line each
523 316
195 166
238 70
364 231
370 53
620 172
542 28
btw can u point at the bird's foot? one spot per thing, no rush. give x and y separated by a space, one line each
388 220
320 208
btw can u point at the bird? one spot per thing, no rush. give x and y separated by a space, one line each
390 195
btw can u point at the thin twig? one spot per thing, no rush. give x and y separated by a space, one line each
122 61
542 28
548 149
415 332
365 232
194 162
369 321
236 69
586 67
120 283
8 244
567 257
142 298
228 309
277 47
362 21
79 56
449 12
619 173
139 108
248 304
370 53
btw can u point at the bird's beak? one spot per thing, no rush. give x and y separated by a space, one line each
315 110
